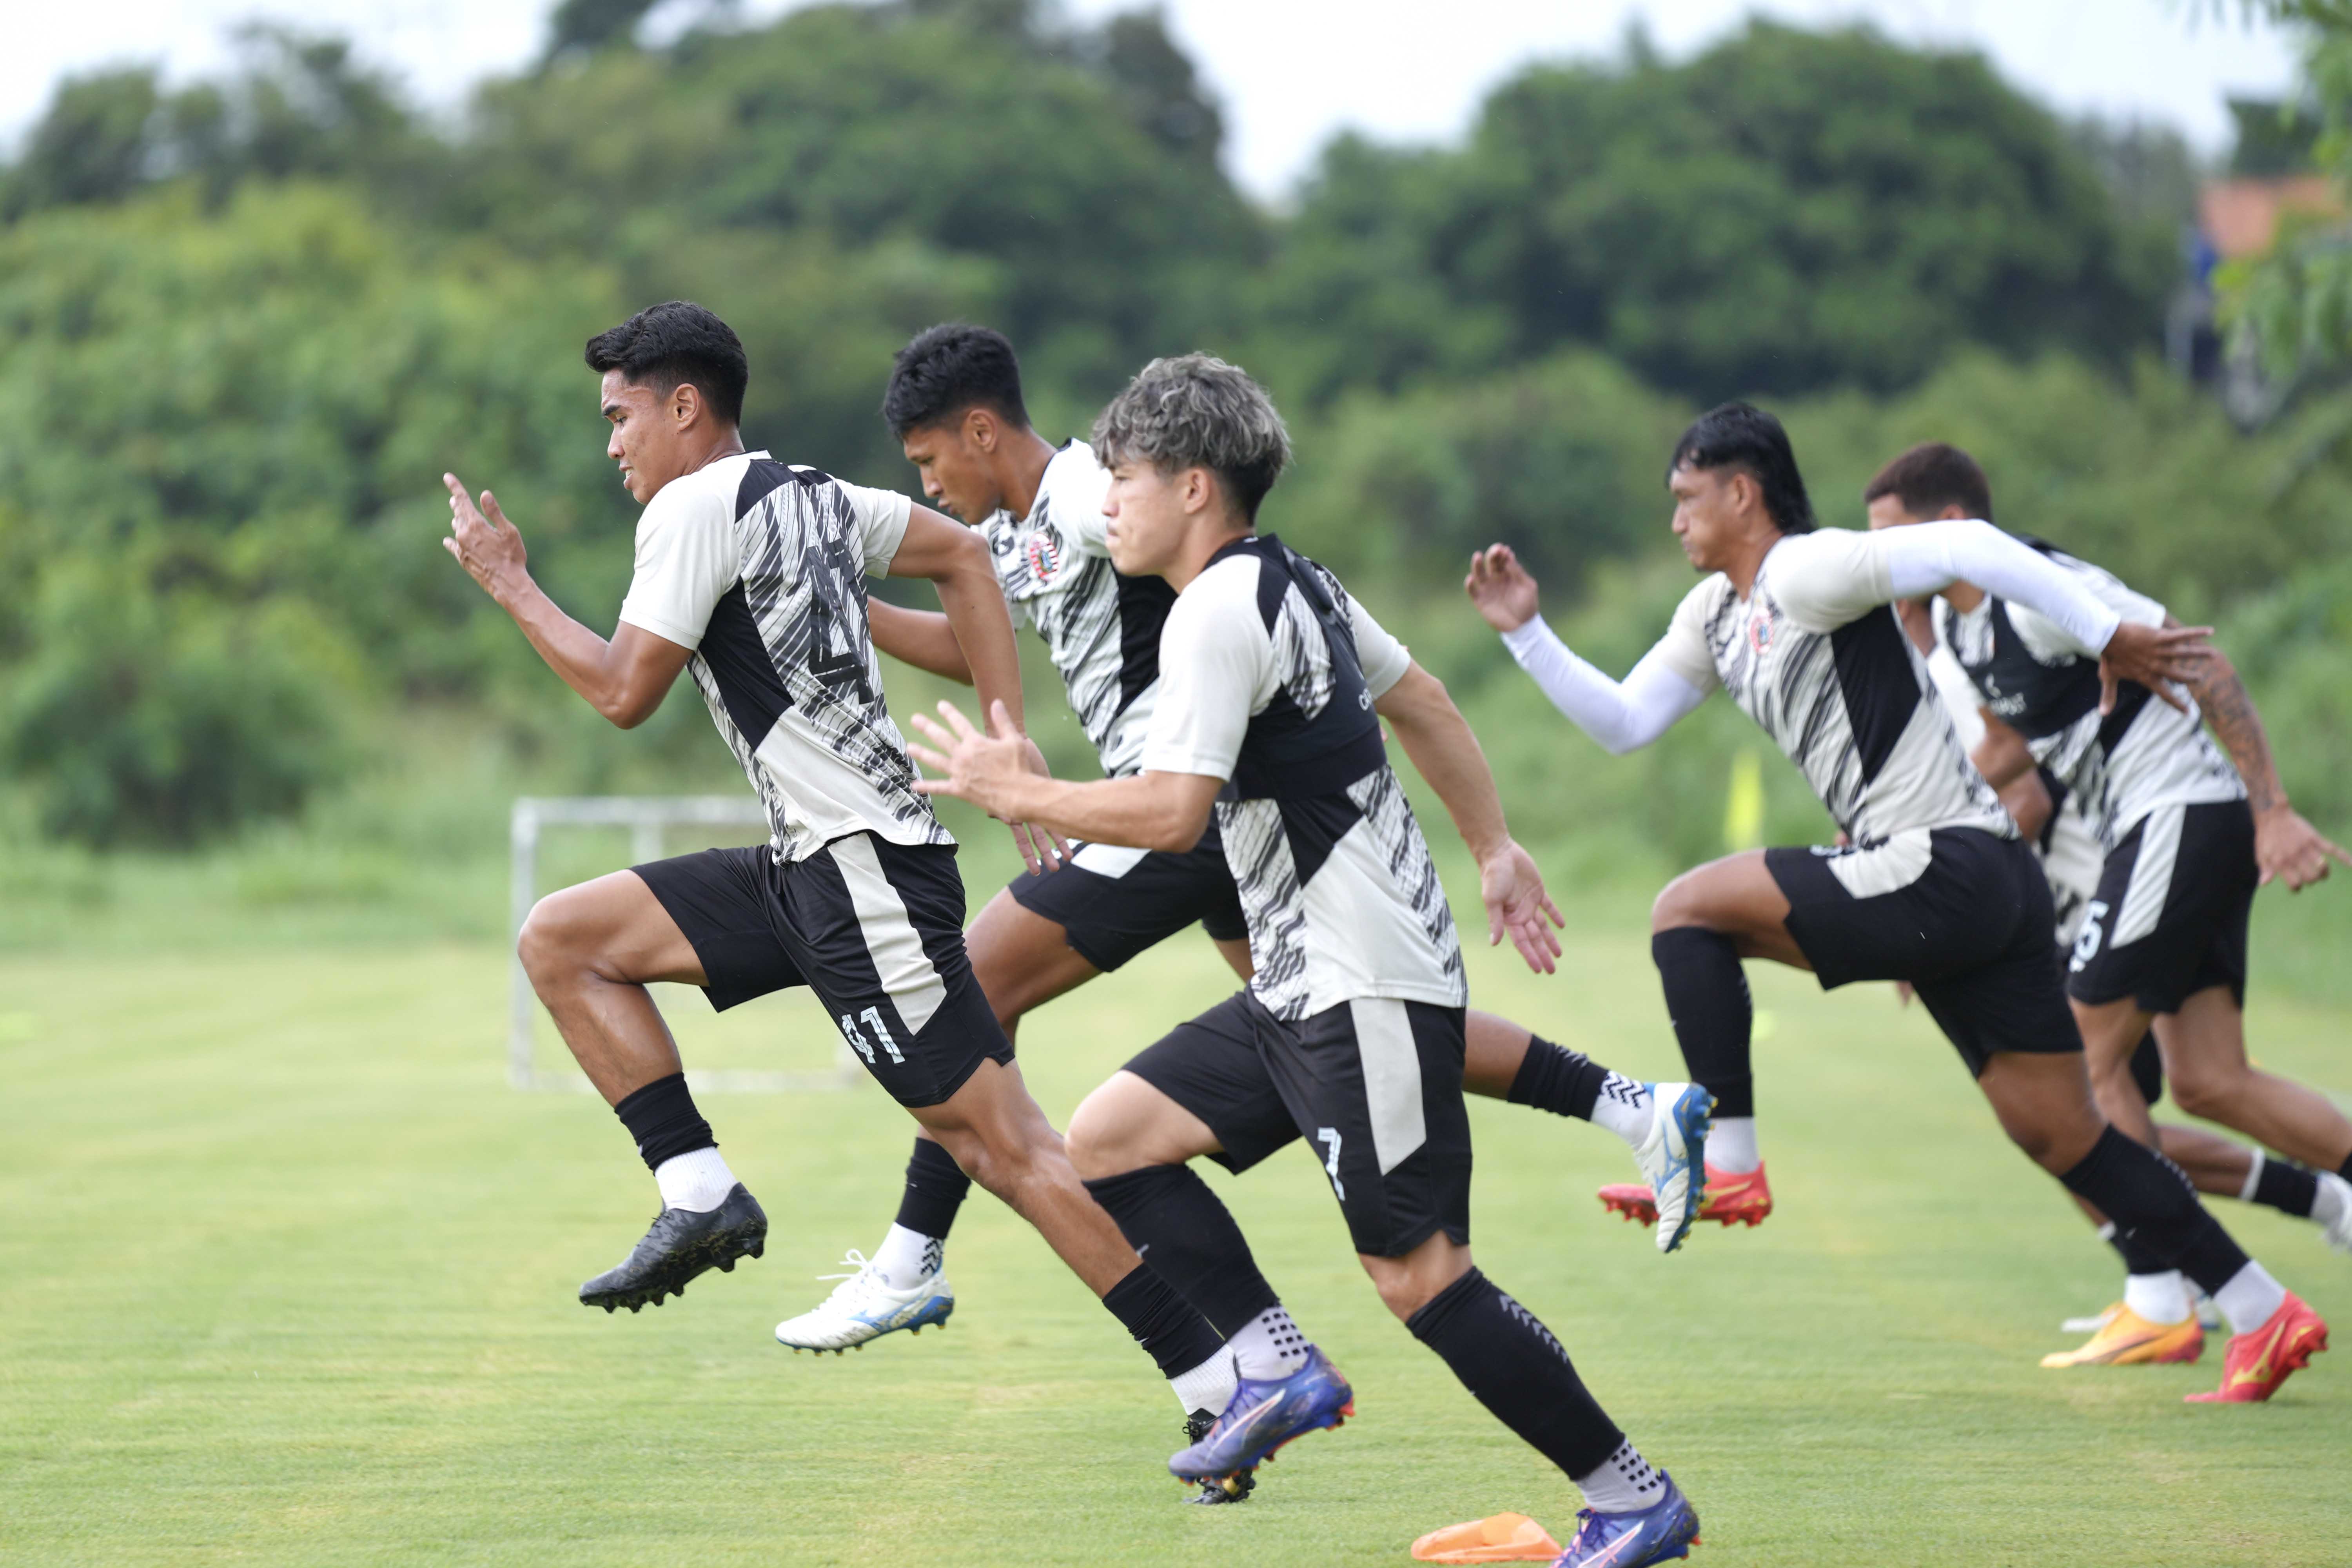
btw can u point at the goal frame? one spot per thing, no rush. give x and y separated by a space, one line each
648 819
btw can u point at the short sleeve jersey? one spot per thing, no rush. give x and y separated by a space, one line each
1100 628
1816 656
2044 684
1269 671
759 567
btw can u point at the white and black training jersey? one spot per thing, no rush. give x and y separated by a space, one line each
1268 674
760 567
1816 656
2040 681
1101 630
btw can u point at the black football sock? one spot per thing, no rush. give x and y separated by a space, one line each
2155 1208
1515 1368
662 1117
1552 1078
1707 997
1170 1217
936 1188
2284 1185
1177 1338
2138 1260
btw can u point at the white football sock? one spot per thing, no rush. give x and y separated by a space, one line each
2158 1298
699 1182
1731 1144
2253 1177
1208 1386
2249 1299
2333 1199
1268 1346
1623 1484
907 1257
1622 1106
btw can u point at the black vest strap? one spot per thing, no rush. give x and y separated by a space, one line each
1287 754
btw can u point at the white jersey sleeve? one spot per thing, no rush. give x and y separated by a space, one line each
687 559
881 519
1961 699
1078 485
1382 658
1623 717
1830 578
2047 640
1217 670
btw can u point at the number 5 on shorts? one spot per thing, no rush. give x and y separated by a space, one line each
2086 943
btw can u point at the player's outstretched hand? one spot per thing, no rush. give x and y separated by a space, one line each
2155 656
1042 850
2291 850
984 769
1516 904
487 546
1502 589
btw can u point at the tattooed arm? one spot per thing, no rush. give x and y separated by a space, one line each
2285 845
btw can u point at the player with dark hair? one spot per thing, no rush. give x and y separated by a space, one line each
1273 687
750 575
954 402
1931 885
2161 944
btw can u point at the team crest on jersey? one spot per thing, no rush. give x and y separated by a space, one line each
1760 631
1044 552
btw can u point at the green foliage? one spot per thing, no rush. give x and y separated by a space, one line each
1787 211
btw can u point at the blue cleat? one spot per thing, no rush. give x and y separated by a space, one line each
1673 1157
1666 1530
1261 1417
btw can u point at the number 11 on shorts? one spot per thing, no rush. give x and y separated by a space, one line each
873 1017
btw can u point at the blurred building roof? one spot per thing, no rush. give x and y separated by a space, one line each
2240 217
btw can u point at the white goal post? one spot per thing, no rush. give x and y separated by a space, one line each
647 817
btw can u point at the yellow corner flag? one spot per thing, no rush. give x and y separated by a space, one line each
1743 811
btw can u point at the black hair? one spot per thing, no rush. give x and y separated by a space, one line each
674 344
948 369
1929 477
1742 436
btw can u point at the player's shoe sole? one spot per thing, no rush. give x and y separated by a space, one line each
2126 1338
2257 1362
682 1244
1264 1417
1673 1156
1223 1490
1732 1197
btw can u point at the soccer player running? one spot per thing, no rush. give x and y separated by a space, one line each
1349 1033
954 402
2162 939
1933 885
750 575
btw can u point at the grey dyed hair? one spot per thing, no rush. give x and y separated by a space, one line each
1196 411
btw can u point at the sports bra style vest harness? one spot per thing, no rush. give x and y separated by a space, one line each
1289 753
2034 698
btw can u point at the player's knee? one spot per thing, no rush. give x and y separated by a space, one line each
1097 1146
552 940
1681 902
2202 1091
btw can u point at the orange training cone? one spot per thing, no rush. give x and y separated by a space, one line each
1505 1538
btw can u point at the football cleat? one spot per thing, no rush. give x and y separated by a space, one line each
2126 1338
1235 1487
1505 1538
1667 1528
682 1244
1673 1153
2093 1323
1731 1197
1263 1415
2338 1231
865 1307
2257 1362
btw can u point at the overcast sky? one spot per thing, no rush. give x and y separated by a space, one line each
1292 71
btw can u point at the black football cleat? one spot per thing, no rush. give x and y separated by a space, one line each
681 1245
1235 1487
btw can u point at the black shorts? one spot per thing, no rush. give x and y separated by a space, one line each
1375 1086
1113 903
875 929
2169 918
1964 915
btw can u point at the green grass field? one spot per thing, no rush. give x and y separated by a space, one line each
287 1274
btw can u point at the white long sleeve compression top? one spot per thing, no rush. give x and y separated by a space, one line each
1622 716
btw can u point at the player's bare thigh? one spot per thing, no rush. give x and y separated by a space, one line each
1129 1123
1737 897
612 930
1021 959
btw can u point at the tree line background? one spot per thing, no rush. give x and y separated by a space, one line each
246 324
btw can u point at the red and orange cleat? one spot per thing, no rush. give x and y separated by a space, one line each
2259 1362
1733 1197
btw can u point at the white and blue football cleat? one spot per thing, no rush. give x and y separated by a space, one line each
864 1307
1673 1157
